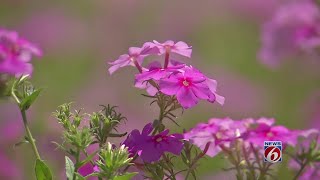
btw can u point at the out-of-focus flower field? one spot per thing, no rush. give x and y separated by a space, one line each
78 38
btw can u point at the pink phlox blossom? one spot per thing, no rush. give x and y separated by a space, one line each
264 129
217 132
16 53
155 72
179 47
294 29
135 55
190 86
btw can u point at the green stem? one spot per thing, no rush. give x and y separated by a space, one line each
161 103
172 175
249 164
196 159
29 135
234 161
76 168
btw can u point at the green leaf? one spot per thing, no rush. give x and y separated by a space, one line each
79 177
87 159
23 78
69 168
126 176
27 101
20 143
42 171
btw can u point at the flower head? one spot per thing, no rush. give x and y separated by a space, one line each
263 129
155 72
217 132
180 47
16 53
189 86
134 57
151 147
311 172
294 28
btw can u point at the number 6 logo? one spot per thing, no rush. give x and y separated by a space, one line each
272 154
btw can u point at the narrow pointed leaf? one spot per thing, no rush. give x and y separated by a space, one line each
27 102
89 158
126 176
69 168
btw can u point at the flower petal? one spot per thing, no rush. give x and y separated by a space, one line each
186 98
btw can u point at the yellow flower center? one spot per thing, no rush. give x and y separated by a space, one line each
132 59
168 48
185 83
159 139
270 134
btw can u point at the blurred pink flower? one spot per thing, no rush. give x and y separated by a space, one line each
294 28
11 132
11 126
311 172
134 57
16 53
264 129
217 132
8 169
256 9
180 47
58 29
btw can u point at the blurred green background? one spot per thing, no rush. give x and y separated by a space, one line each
79 37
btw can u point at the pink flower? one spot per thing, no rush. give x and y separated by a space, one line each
294 28
263 129
16 53
189 86
305 139
8 169
151 147
87 169
217 132
170 46
155 72
134 57
310 173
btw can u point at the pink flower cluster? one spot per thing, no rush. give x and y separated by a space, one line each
16 54
305 139
187 83
221 133
293 30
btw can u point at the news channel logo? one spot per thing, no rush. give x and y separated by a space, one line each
272 151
